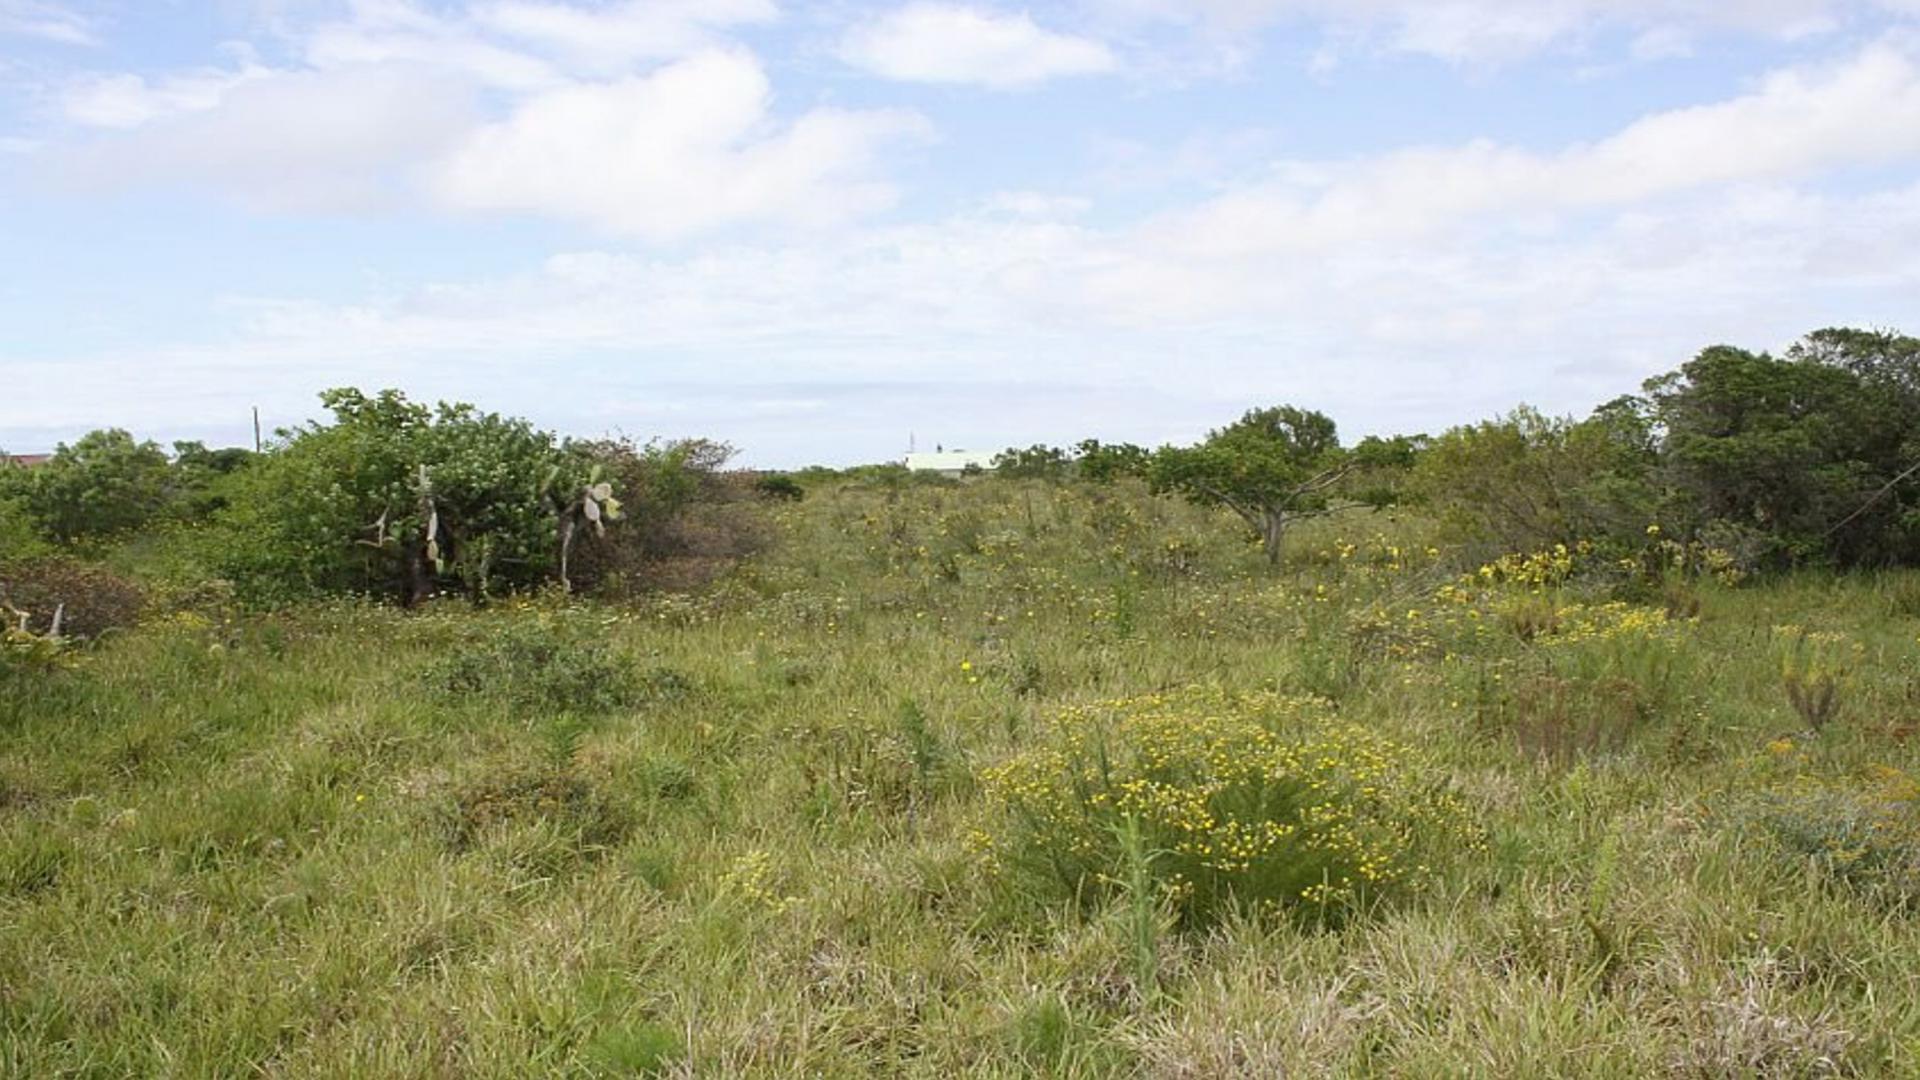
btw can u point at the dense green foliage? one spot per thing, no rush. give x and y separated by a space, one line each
392 496
106 484
1813 457
1815 452
1526 480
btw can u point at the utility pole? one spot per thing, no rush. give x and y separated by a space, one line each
256 429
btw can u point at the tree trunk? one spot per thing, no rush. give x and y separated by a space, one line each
566 549
1273 530
418 583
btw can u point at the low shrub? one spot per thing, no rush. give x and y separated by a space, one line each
536 665
1558 720
20 535
1814 669
1862 837
90 600
779 486
24 651
1259 801
691 521
573 809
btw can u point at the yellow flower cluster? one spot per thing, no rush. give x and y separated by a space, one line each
1258 798
1693 558
1538 569
1576 624
750 880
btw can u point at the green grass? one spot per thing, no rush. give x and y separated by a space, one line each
728 834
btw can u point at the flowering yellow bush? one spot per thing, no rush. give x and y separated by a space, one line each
1538 569
1576 624
1259 799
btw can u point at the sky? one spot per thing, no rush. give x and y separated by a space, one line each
820 231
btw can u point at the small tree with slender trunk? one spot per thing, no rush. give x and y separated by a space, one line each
1272 467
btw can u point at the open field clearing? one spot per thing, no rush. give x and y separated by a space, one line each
954 779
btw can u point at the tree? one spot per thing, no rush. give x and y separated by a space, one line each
1816 451
1883 358
1272 467
1037 462
1383 469
1526 480
1104 463
104 483
200 477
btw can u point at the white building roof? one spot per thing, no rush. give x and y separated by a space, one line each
950 460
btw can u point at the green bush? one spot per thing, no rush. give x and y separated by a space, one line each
20 535
1259 801
1814 448
1862 838
1527 481
534 665
104 483
780 486
396 498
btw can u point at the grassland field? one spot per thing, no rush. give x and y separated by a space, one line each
775 828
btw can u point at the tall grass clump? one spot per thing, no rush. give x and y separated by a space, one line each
1256 801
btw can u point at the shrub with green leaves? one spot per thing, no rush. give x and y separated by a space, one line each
693 521
1256 801
103 483
20 533
393 497
1865 838
537 666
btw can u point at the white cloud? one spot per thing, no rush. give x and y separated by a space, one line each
1400 334
1472 31
946 43
1798 121
1662 43
1403 289
686 148
493 109
614 35
303 141
128 101
46 21
399 32
1036 204
526 45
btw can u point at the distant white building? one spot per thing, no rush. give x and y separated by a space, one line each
949 462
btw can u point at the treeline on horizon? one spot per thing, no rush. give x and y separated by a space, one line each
1810 458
